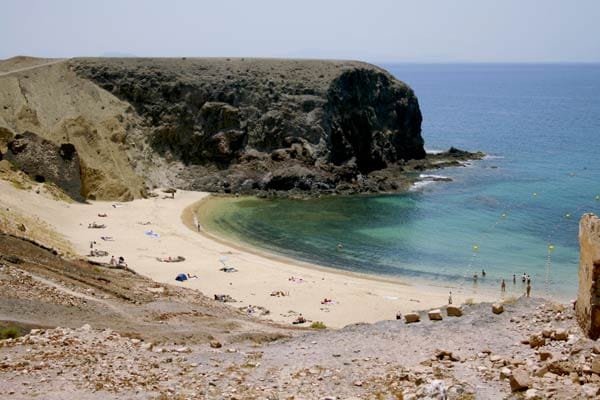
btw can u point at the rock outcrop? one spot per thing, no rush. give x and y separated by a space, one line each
587 308
45 161
248 125
51 101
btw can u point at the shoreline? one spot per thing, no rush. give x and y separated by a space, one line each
357 298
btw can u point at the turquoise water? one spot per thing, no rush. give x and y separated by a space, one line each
540 126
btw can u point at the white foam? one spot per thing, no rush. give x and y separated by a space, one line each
433 151
431 177
420 185
492 157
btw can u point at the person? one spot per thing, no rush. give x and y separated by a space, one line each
398 315
450 298
340 246
528 288
300 320
92 243
113 261
190 276
528 279
514 279
483 273
475 277
524 277
503 285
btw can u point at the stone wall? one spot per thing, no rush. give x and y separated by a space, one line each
587 308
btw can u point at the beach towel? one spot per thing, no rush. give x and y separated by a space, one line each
152 234
181 277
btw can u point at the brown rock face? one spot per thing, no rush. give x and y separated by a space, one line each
587 308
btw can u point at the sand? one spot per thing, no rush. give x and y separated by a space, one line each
358 298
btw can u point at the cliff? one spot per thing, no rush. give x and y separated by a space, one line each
259 125
587 307
247 126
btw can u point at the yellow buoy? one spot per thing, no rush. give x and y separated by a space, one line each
503 215
534 194
551 247
568 215
475 247
572 174
597 197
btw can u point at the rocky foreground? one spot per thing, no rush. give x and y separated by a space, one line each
94 333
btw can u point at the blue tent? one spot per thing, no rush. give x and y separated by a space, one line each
181 277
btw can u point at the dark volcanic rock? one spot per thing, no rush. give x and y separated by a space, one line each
241 119
45 161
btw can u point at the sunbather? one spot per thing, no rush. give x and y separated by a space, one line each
299 320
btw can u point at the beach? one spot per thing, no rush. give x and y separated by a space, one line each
355 298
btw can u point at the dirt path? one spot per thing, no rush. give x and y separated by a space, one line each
33 67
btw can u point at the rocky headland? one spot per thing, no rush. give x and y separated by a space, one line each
240 126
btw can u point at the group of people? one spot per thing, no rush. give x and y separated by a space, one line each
118 262
525 278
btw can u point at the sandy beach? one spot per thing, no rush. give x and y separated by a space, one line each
356 297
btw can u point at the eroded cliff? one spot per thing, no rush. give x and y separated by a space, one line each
260 125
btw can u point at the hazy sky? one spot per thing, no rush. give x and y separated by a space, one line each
373 30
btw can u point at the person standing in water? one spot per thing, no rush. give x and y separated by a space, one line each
503 285
528 288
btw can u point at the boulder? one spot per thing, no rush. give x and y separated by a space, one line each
454 311
519 380
435 315
536 341
560 334
505 373
215 344
545 355
587 307
45 161
411 317
497 308
547 333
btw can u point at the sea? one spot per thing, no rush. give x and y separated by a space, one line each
515 212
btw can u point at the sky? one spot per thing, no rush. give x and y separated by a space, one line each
374 30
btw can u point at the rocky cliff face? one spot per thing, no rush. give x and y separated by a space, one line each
588 297
45 161
248 125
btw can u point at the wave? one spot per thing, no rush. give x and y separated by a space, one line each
434 151
431 177
492 157
428 179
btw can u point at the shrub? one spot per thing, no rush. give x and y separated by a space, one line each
11 332
318 325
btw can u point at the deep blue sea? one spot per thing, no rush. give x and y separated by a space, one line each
516 211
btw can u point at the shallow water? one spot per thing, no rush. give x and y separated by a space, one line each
540 125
